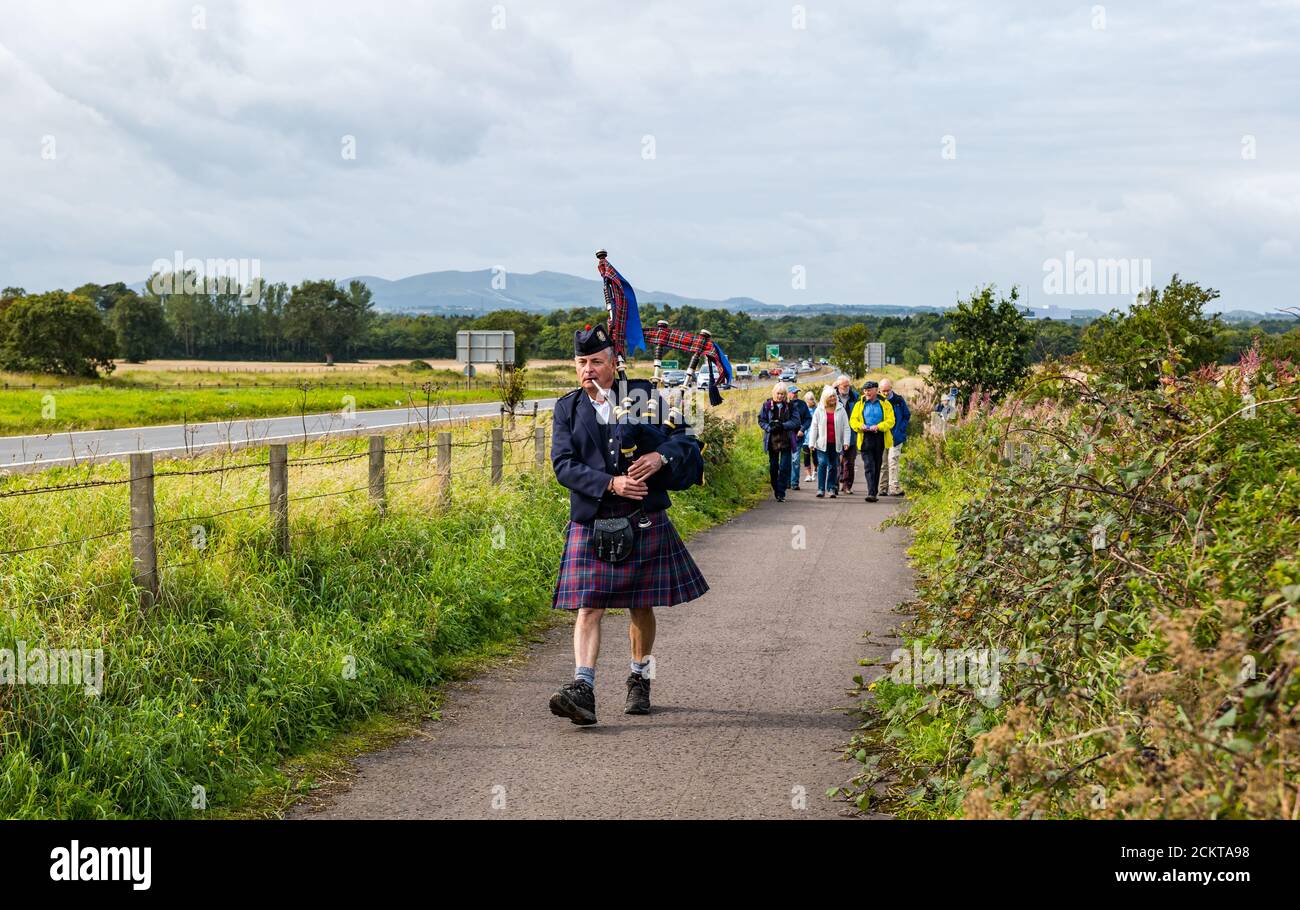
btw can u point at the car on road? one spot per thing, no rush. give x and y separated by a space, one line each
743 371
788 374
764 374
674 377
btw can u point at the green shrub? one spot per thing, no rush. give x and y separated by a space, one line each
1133 555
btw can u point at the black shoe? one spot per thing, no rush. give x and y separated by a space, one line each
820 494
638 695
576 701
834 495
870 499
780 499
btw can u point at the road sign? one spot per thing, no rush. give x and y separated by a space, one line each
754 360
773 352
875 355
668 364
485 346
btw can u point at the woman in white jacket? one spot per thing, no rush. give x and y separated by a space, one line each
828 437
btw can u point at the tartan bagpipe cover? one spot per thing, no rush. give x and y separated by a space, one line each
624 316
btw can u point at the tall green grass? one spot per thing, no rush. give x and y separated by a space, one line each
251 657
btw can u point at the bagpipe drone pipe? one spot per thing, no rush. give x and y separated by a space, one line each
628 335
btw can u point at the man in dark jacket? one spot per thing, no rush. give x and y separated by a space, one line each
890 485
805 424
618 466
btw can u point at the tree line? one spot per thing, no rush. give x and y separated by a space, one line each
81 332
1166 333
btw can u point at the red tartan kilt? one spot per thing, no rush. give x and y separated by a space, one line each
659 573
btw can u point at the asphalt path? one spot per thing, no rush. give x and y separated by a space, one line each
751 684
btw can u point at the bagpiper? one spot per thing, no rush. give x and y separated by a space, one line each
619 448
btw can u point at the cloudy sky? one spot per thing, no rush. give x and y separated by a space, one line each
853 152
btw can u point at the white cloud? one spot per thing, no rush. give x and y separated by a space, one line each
774 146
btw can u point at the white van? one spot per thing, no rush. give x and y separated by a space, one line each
742 371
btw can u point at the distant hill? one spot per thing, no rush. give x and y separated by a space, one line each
455 293
472 293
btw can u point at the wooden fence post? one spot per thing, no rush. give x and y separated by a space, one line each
444 468
279 460
539 445
496 454
377 493
144 549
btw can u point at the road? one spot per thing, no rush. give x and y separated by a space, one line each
751 681
25 453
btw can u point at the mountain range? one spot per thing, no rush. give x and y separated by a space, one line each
475 293
457 293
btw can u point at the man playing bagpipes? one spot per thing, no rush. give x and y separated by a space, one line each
619 446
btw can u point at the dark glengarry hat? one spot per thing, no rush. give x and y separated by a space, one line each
871 384
591 340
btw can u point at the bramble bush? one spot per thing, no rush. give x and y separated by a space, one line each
1134 554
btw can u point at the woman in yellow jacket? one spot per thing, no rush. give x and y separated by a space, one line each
872 420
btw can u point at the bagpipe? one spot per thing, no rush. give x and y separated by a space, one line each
628 335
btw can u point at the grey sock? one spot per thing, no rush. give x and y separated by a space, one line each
639 668
586 673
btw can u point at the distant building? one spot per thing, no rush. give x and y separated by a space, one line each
875 355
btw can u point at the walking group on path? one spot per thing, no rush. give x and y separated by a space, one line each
621 549
830 433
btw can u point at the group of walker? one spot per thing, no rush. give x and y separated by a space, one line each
830 433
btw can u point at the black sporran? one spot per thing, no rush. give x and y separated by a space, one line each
613 538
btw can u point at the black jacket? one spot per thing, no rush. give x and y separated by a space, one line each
581 460
790 423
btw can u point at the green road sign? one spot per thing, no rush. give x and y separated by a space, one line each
668 364
755 360
773 352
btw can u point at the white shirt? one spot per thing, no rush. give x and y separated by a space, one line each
604 407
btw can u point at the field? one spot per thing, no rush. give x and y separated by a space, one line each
173 391
277 366
182 394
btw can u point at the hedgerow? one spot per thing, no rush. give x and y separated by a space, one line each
1128 561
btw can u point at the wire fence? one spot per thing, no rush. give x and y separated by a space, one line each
499 455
